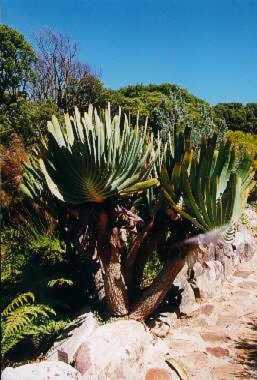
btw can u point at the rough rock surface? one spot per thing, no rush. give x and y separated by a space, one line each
115 350
121 350
69 342
42 371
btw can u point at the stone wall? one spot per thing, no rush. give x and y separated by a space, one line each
209 264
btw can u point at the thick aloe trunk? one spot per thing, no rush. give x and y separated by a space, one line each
152 297
108 241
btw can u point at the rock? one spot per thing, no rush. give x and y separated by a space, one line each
82 358
229 265
245 246
161 325
195 365
218 352
123 350
157 374
114 351
226 320
243 273
206 309
155 362
42 371
159 328
69 342
200 323
230 371
169 318
214 337
211 252
187 301
207 266
248 285
208 282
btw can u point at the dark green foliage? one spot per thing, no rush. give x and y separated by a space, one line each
238 116
43 264
207 127
23 319
169 106
27 118
170 114
16 59
152 268
145 99
58 277
80 93
246 143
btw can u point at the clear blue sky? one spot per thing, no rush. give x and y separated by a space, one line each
206 46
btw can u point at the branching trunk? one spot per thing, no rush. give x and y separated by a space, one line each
152 297
133 254
109 255
145 254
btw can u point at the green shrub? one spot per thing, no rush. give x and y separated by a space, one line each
245 143
238 116
22 318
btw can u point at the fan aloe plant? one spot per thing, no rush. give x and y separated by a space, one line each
91 163
214 192
94 158
92 166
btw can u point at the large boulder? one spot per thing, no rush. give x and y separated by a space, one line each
115 351
67 344
42 371
123 350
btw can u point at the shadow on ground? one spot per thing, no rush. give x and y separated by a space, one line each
247 352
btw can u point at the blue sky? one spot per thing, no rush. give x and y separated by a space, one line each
206 46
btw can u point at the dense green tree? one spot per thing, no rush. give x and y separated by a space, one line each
80 93
146 99
16 59
238 116
27 118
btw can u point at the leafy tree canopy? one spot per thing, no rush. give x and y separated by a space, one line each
16 58
238 116
144 99
27 118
